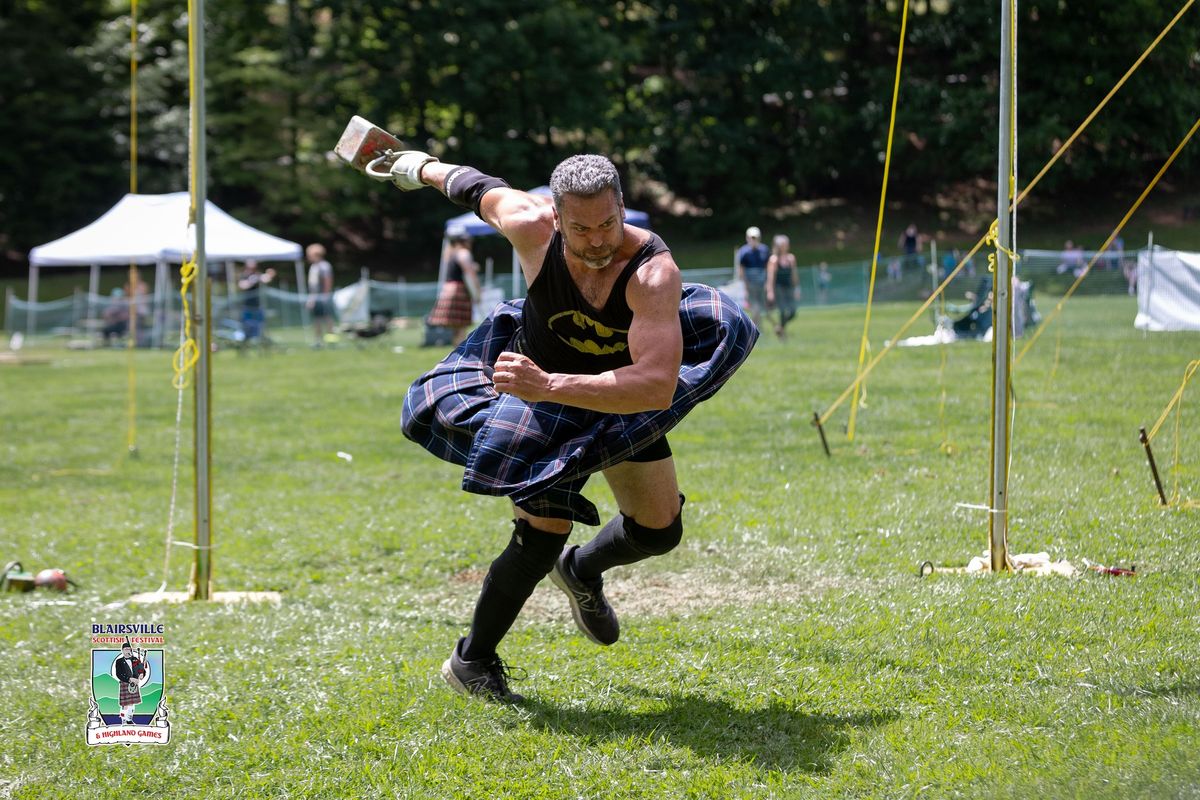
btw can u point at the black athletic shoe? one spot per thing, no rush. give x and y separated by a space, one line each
486 678
593 615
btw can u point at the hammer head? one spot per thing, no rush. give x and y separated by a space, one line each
363 141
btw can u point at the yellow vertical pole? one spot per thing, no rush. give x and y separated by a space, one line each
132 299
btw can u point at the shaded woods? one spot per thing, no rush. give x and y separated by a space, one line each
713 110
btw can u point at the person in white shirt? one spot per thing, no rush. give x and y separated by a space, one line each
320 292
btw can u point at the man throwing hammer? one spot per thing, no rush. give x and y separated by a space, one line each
607 352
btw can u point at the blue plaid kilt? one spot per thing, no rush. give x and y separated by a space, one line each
541 454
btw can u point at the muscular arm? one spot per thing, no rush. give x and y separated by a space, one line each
525 219
655 344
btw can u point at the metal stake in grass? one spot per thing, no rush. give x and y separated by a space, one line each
821 430
1153 467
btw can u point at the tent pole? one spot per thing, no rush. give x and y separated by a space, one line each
166 302
31 317
200 587
78 308
93 290
231 288
1145 280
156 308
302 290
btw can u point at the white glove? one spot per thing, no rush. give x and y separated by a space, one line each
406 171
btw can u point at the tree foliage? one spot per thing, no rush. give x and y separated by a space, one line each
58 159
725 108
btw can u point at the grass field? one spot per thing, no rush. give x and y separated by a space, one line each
786 649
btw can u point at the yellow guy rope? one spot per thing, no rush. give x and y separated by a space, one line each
887 164
824 418
1177 404
1062 302
903 328
188 352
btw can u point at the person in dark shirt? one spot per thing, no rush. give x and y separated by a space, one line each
910 244
249 284
750 267
597 346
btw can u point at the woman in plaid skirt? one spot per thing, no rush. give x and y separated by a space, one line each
456 298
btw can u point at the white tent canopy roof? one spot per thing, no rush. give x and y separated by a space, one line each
152 228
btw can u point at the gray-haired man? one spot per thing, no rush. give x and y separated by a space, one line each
583 377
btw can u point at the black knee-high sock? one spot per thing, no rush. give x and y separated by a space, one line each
529 557
624 541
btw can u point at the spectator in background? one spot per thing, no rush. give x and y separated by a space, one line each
783 290
116 318
1129 267
750 267
137 297
460 289
320 292
1072 260
910 245
252 311
824 281
950 260
895 270
1114 254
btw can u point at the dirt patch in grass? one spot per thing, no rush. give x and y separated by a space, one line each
644 593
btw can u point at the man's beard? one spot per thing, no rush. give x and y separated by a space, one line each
594 260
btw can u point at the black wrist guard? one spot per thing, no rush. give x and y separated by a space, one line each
466 186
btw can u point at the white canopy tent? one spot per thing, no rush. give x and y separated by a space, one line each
153 229
1168 290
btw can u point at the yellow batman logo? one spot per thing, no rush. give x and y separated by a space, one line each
584 334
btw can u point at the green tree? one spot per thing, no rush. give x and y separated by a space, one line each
58 167
739 101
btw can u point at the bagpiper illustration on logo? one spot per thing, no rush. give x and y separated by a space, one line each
128 695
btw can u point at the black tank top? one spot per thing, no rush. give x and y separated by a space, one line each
454 270
562 332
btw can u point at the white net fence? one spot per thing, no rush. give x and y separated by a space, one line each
911 278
